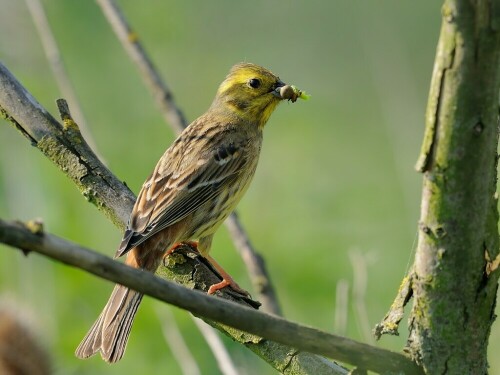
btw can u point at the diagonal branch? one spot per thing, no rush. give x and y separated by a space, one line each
243 318
173 115
65 147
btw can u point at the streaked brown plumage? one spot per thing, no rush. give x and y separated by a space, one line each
193 188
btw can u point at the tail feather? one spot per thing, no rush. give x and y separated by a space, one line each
110 332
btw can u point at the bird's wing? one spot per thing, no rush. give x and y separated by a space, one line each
194 170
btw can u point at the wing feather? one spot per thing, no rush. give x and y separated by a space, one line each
185 178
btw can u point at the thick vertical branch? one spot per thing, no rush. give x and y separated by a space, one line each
455 276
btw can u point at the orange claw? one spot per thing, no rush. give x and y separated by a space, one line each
226 279
231 283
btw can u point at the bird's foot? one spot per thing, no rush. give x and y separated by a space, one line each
230 283
227 280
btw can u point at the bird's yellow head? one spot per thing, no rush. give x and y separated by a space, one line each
251 92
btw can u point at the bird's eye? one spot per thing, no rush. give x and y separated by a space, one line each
254 83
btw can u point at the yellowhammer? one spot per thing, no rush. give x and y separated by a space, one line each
193 188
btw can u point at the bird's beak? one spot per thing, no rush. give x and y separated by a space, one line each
277 89
286 92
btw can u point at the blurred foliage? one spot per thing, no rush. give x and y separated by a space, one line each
336 174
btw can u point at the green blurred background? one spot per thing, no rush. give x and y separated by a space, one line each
335 199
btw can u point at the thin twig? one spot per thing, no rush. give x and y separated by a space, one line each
359 264
32 238
56 64
224 361
130 41
390 323
341 307
255 265
176 342
173 115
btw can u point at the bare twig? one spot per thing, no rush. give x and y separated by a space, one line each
390 323
32 238
173 115
175 341
359 264
224 361
341 307
130 41
255 265
53 55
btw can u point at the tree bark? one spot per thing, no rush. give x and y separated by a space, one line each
455 274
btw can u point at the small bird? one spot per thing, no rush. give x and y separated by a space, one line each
196 184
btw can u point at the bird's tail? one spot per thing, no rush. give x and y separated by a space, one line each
109 334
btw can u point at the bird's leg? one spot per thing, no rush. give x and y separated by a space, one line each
226 279
192 245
